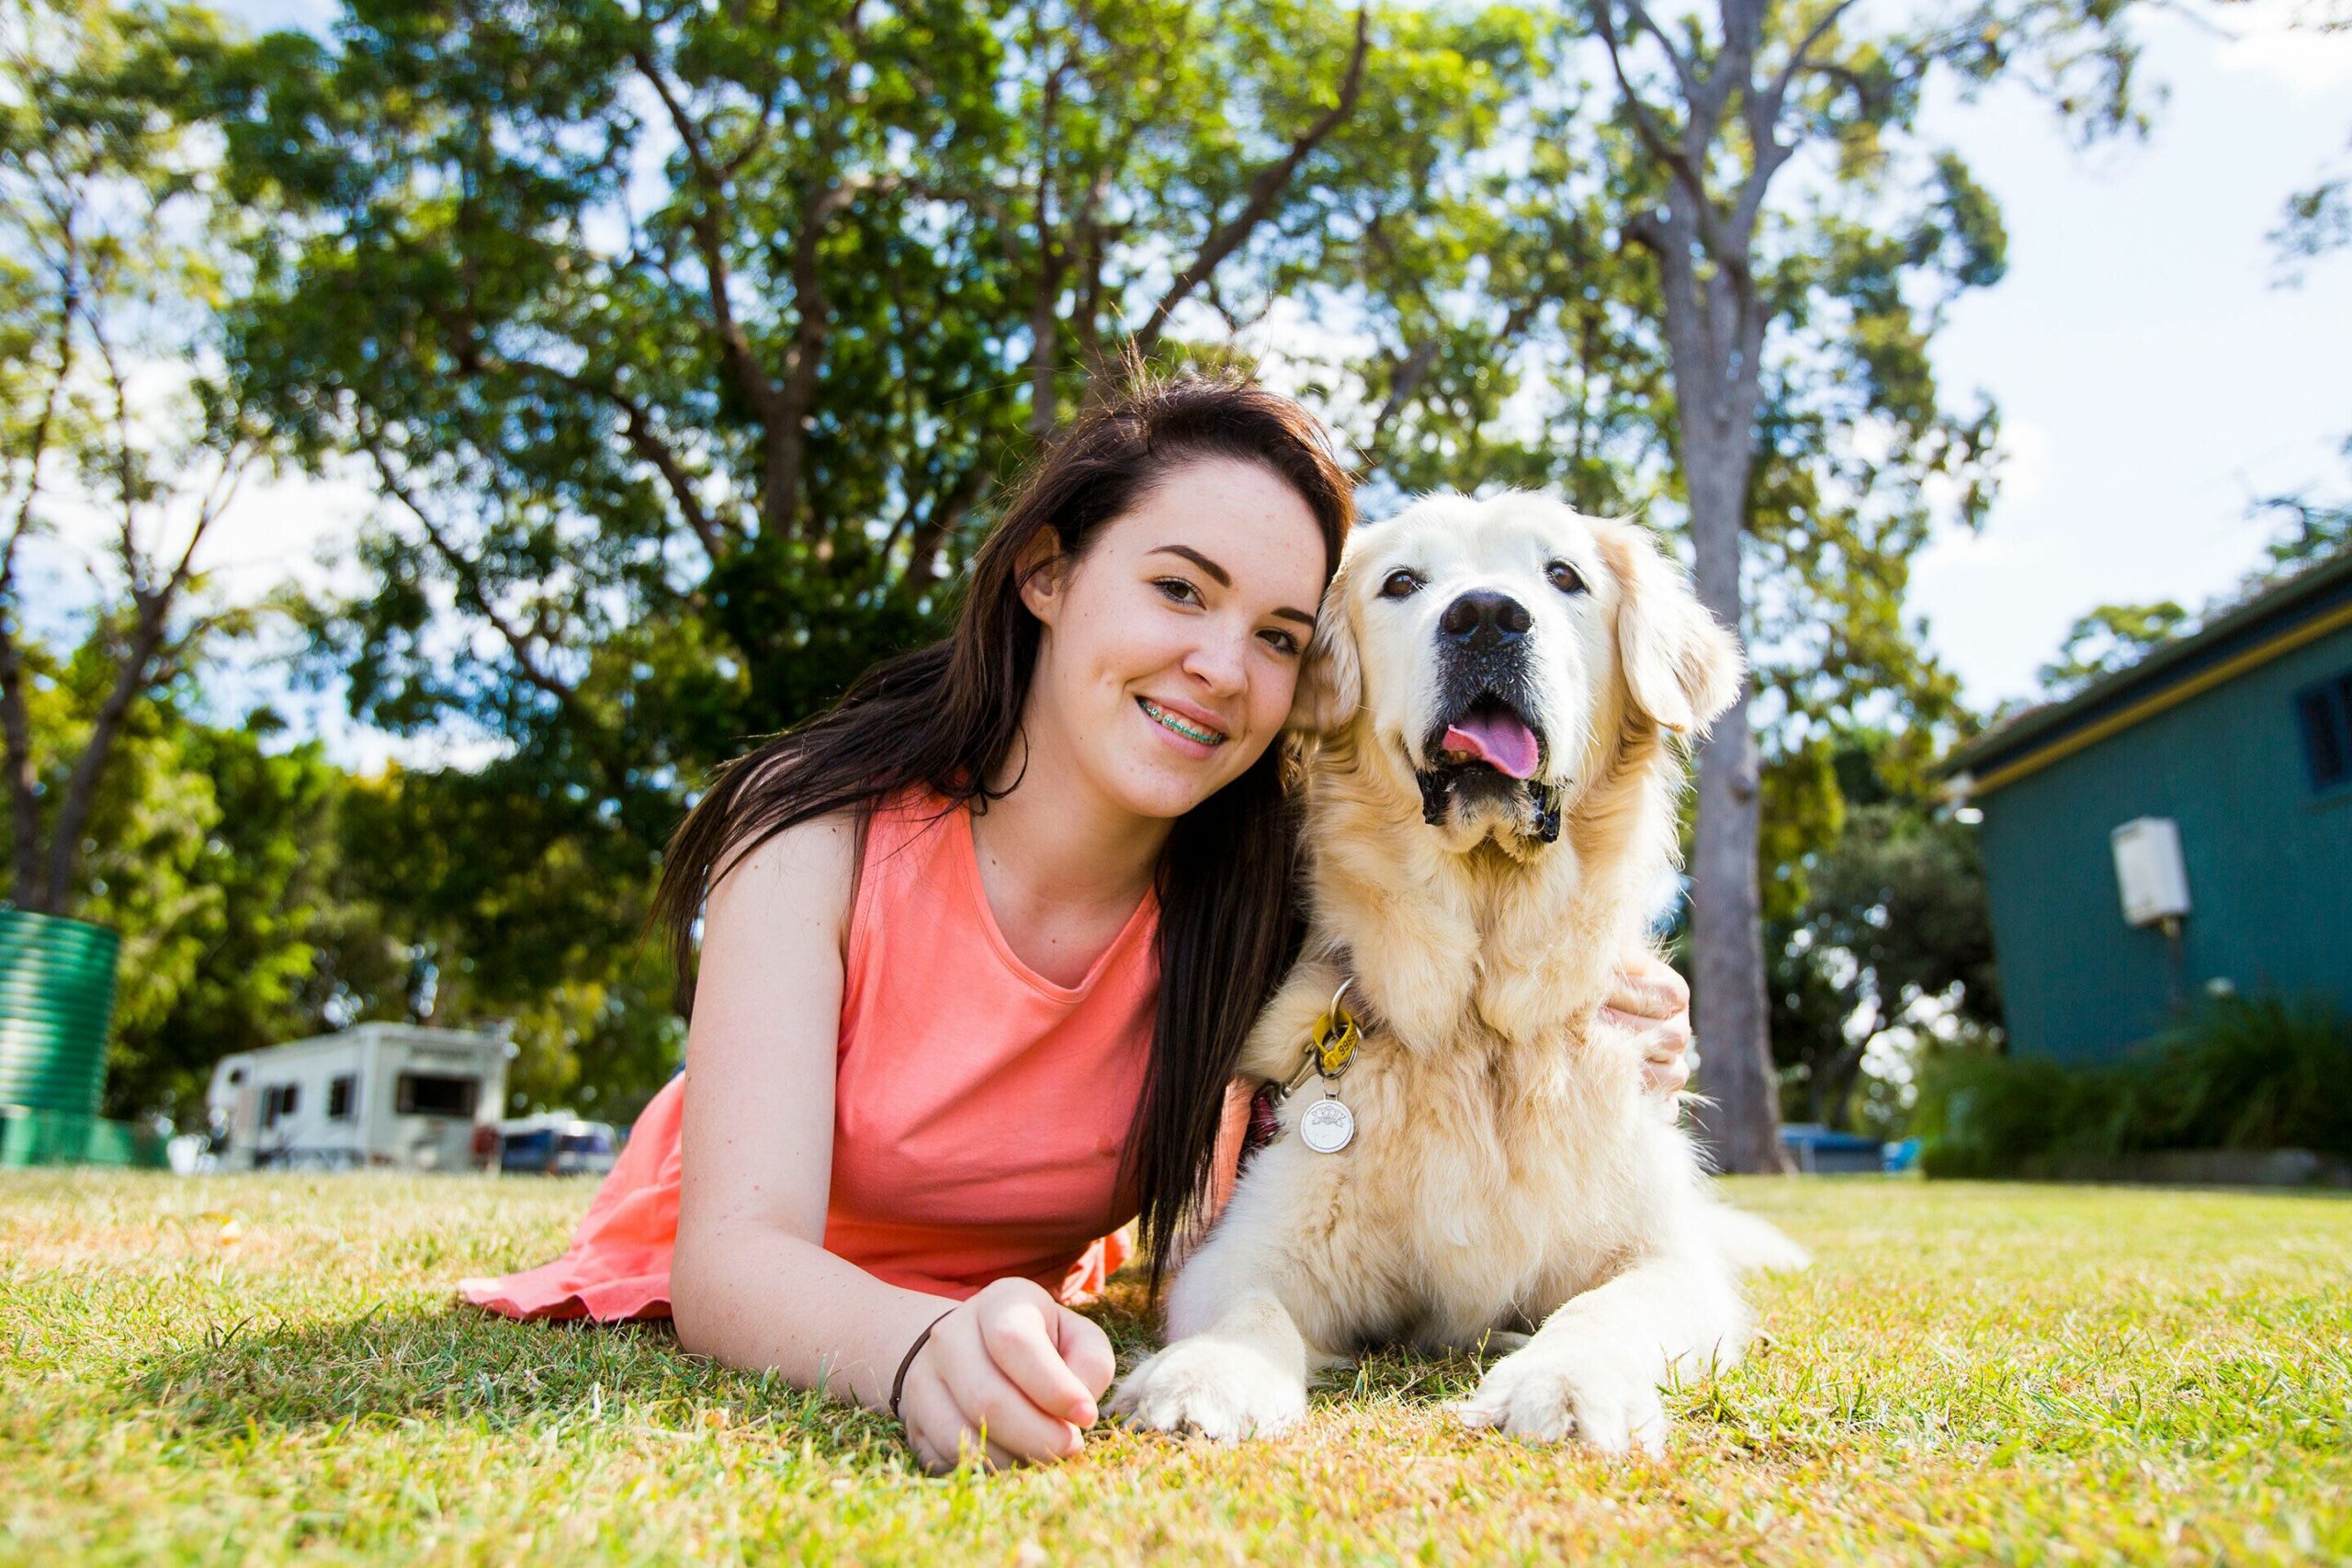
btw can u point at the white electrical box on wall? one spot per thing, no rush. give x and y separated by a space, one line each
2149 870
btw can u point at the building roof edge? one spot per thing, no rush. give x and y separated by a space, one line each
2310 593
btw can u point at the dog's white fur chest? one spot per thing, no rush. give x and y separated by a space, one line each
1482 1187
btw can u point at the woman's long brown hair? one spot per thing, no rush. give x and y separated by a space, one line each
949 714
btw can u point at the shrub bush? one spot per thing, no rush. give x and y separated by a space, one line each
2256 1073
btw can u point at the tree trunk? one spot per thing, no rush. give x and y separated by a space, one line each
24 793
1833 1086
1714 332
1730 1010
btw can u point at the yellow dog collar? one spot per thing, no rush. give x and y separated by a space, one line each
1332 1042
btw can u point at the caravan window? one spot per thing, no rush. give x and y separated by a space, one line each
431 1094
340 1094
279 1102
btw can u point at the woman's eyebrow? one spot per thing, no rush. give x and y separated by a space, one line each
1224 577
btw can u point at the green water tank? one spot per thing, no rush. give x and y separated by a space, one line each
56 1003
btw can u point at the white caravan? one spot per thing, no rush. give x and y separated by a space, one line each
375 1094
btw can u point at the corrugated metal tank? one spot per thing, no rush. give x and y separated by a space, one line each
56 1003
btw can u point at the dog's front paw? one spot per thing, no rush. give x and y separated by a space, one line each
1219 1388
1607 1399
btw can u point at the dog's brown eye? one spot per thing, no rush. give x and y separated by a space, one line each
1399 584
1564 577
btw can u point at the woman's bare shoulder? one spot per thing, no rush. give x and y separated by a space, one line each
806 870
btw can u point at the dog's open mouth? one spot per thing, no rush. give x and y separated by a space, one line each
1493 733
1489 758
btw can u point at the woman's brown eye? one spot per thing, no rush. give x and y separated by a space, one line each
1564 577
1399 584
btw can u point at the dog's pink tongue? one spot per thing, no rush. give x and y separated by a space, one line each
1499 740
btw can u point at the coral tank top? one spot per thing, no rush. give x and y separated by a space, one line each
980 1110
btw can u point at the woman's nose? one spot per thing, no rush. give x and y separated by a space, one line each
1220 663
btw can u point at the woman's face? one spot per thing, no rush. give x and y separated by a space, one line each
1171 645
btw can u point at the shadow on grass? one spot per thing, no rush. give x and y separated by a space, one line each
1405 1377
458 1367
455 1366
1392 1372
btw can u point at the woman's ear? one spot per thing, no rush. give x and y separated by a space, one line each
1042 570
1681 668
1330 679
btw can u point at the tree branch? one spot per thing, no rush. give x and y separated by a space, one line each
1685 172
125 454
468 577
1733 72
948 509
1776 92
1265 190
804 361
1411 372
134 675
1740 230
647 442
643 439
1051 261
1683 77
77 797
16 721
798 397
1094 237
780 447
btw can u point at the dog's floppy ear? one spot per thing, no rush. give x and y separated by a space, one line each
1681 668
1331 678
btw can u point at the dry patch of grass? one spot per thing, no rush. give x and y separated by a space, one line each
236 1369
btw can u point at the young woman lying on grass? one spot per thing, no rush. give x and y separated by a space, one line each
980 948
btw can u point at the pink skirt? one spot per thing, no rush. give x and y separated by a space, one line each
617 1267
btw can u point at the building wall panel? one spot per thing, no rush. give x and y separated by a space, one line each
2270 865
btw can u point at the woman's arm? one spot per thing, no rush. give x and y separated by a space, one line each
1654 1002
751 1281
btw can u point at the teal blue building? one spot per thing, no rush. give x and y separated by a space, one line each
2240 736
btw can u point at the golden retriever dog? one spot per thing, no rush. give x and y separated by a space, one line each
1497 688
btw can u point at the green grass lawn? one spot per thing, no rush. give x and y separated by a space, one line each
238 1367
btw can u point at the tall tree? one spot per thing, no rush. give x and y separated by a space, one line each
688 346
211 849
217 864
1720 105
109 414
1891 949
1522 334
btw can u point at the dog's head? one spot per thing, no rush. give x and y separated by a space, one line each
1496 653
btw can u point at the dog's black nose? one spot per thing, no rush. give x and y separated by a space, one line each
1485 619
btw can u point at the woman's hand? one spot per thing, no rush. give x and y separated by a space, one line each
1654 1003
1012 1375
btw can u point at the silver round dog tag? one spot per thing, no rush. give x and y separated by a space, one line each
1327 1126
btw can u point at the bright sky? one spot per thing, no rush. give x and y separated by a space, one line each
2152 378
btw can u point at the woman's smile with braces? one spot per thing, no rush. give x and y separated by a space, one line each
1189 730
